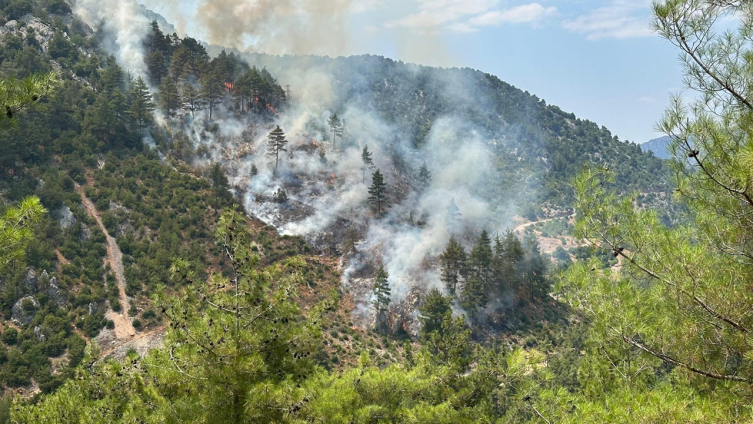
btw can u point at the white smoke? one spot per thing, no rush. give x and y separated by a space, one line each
125 26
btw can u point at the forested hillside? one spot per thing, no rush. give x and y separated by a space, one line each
247 238
539 148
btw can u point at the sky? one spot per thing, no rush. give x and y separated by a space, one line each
597 59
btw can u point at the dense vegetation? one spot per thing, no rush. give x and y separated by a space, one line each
257 328
539 148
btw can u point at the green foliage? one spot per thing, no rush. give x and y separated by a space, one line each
276 143
377 192
17 95
434 311
381 291
16 229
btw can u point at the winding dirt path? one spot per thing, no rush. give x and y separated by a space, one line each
123 327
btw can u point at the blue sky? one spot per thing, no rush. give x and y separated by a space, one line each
598 59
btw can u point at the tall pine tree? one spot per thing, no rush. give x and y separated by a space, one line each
169 97
275 144
141 103
377 192
382 294
453 262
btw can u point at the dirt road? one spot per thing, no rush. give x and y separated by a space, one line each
123 327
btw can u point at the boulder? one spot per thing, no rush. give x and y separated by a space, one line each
53 291
22 316
67 220
31 280
38 333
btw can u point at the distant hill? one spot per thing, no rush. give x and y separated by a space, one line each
658 146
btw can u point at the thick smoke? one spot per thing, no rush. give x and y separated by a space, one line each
327 184
124 26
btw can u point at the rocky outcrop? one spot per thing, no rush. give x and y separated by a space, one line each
53 291
23 315
31 281
67 220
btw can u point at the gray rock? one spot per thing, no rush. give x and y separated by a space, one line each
86 232
21 316
67 220
38 333
31 280
114 207
53 291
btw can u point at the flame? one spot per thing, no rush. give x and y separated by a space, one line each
271 109
228 86
313 143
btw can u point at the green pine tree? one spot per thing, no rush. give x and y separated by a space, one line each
17 95
141 103
381 291
276 143
191 101
377 192
169 97
434 310
453 262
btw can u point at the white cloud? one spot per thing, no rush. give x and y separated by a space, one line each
527 13
468 15
621 19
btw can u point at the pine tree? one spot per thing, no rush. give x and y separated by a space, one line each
16 229
219 181
434 311
453 262
169 97
141 103
336 126
377 192
535 271
275 144
212 90
473 296
190 98
367 162
480 260
424 177
16 95
683 294
381 291
156 66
